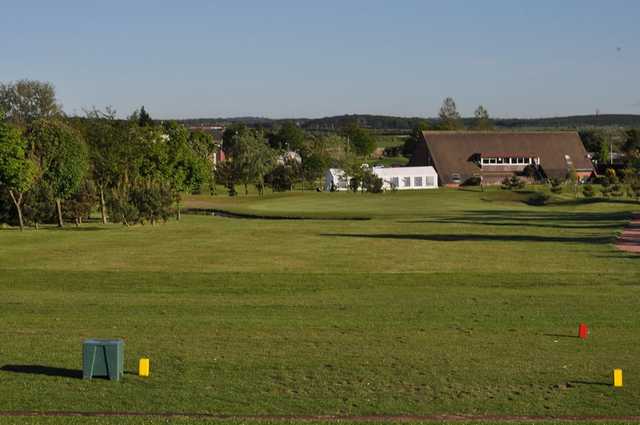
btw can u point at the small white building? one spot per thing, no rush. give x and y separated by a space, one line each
395 178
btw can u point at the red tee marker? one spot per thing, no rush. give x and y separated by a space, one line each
583 331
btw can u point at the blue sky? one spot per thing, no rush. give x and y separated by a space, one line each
317 58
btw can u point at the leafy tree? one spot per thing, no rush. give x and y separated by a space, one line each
482 120
17 170
80 204
39 205
449 117
282 177
205 148
253 159
572 177
414 138
186 170
226 174
631 147
27 100
231 135
289 137
595 141
62 156
108 152
359 139
371 182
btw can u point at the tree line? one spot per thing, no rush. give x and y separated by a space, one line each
55 169
58 169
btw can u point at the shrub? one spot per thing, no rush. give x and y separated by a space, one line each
538 198
556 186
472 181
372 183
513 183
588 191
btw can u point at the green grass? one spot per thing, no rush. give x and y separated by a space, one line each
443 302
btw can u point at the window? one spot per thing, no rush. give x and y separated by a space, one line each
406 182
417 181
500 160
394 182
429 181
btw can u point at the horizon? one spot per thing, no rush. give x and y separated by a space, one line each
290 61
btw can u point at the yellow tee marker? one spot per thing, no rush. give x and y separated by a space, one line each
143 367
617 378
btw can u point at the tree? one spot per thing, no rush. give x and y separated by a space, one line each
17 170
631 147
449 116
27 100
252 159
359 139
289 137
226 174
572 177
231 134
106 138
415 138
62 156
482 120
205 148
80 204
186 170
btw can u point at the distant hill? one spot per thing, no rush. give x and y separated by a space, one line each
391 124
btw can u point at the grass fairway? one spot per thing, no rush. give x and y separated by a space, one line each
443 302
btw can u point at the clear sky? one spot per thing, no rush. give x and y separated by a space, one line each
306 58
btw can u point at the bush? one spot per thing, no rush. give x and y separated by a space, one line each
372 183
556 186
588 191
472 181
354 183
538 198
513 183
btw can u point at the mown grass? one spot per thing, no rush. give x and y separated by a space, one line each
444 302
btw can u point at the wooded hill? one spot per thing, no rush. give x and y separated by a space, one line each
391 124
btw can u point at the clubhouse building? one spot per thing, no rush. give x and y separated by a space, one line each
394 178
492 156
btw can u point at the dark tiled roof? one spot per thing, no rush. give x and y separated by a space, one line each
454 151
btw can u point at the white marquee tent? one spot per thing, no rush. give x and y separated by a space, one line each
400 178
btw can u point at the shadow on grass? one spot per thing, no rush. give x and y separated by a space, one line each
541 219
562 335
467 237
603 384
43 370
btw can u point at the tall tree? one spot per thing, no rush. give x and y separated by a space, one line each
62 156
482 120
359 139
27 100
17 170
449 116
414 138
106 137
289 137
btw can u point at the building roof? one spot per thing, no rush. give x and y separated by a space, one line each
453 152
404 171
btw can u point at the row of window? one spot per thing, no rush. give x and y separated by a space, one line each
417 181
507 161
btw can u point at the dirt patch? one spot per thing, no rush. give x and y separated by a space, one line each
629 240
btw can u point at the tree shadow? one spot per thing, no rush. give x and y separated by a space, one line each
470 237
43 370
604 384
541 219
562 335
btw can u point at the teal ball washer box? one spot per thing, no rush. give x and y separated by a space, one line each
103 358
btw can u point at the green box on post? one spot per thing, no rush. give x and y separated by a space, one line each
103 357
